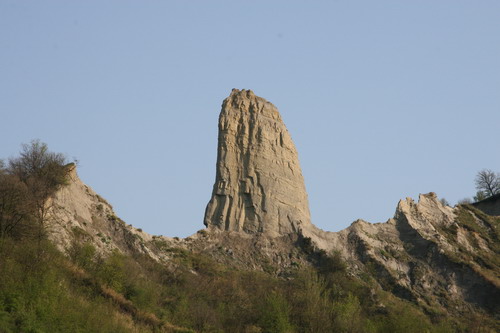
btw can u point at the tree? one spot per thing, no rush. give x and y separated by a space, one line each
275 317
487 182
15 205
444 202
480 195
464 201
37 164
42 172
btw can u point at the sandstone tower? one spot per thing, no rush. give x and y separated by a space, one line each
259 186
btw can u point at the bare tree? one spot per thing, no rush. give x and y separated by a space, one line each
488 182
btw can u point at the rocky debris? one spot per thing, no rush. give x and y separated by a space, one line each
259 186
279 256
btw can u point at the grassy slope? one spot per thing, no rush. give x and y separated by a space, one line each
42 290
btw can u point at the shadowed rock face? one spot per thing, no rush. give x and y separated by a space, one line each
259 186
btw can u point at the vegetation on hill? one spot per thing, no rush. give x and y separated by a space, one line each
44 291
487 185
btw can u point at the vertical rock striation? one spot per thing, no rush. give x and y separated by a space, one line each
259 186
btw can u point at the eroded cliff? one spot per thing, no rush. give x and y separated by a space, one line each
424 253
259 186
436 256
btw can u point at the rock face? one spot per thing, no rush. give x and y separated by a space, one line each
428 253
78 215
259 186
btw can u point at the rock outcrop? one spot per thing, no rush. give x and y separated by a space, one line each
78 215
423 252
436 256
259 186
433 255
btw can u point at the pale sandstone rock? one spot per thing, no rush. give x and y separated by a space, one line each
259 186
77 213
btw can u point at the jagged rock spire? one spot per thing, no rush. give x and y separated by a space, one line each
259 186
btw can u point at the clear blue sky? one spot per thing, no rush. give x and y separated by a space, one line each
384 99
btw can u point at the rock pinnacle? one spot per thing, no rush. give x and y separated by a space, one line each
259 186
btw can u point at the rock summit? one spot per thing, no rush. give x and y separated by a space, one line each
259 186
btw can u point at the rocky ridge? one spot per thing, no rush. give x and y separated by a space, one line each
418 254
258 218
79 215
431 254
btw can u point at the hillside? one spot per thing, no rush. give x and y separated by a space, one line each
260 265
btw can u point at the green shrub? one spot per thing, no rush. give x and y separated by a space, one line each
83 255
275 315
